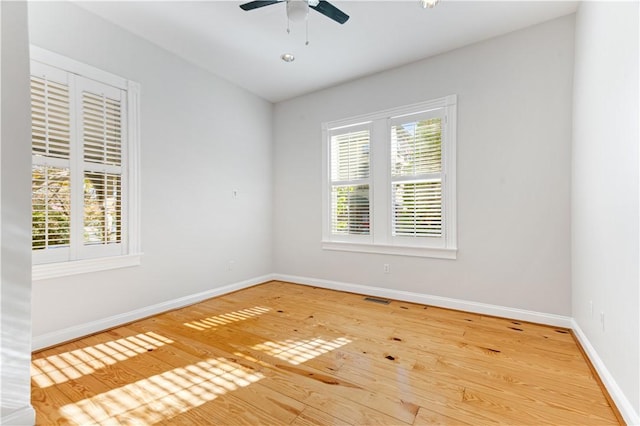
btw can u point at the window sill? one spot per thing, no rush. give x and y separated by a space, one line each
63 269
437 253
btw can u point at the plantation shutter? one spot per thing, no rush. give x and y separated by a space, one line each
85 161
102 166
50 149
416 176
50 118
350 187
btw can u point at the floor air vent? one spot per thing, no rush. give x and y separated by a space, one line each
377 300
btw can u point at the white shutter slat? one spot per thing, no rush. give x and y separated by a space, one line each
102 208
50 186
350 210
350 194
416 157
416 148
102 131
102 145
51 207
417 209
51 124
350 156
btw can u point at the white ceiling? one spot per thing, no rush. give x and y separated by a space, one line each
245 47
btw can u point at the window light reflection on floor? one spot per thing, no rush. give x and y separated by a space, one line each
74 364
162 396
298 351
227 318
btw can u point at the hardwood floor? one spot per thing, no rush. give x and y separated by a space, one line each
281 353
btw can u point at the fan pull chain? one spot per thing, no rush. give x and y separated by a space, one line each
307 22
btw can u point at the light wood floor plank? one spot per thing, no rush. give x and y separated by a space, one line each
312 417
281 353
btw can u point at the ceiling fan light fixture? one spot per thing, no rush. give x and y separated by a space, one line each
288 57
321 6
428 3
297 10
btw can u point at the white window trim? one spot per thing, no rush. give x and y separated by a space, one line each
438 253
134 243
383 243
63 269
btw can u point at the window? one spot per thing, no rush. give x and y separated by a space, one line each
390 181
84 167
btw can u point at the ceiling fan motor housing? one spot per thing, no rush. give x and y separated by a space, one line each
297 10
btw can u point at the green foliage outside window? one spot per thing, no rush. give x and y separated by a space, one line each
51 207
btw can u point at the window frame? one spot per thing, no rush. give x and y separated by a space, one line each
382 241
129 253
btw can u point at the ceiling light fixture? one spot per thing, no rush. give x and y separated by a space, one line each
298 10
428 3
288 57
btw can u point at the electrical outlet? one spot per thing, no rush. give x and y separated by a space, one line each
602 320
386 268
591 308
230 265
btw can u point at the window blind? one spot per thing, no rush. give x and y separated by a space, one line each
101 129
51 207
50 148
350 165
102 153
417 209
350 156
50 118
416 183
102 208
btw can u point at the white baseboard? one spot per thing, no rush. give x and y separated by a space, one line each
25 416
441 302
624 405
80 330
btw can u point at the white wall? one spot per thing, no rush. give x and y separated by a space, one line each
514 134
605 239
15 255
202 137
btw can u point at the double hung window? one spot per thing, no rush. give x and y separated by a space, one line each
84 167
390 181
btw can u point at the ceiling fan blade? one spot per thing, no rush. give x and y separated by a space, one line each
257 4
331 11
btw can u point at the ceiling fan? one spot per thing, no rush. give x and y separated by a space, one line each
297 9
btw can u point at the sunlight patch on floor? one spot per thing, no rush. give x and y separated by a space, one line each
162 396
224 319
298 351
74 364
